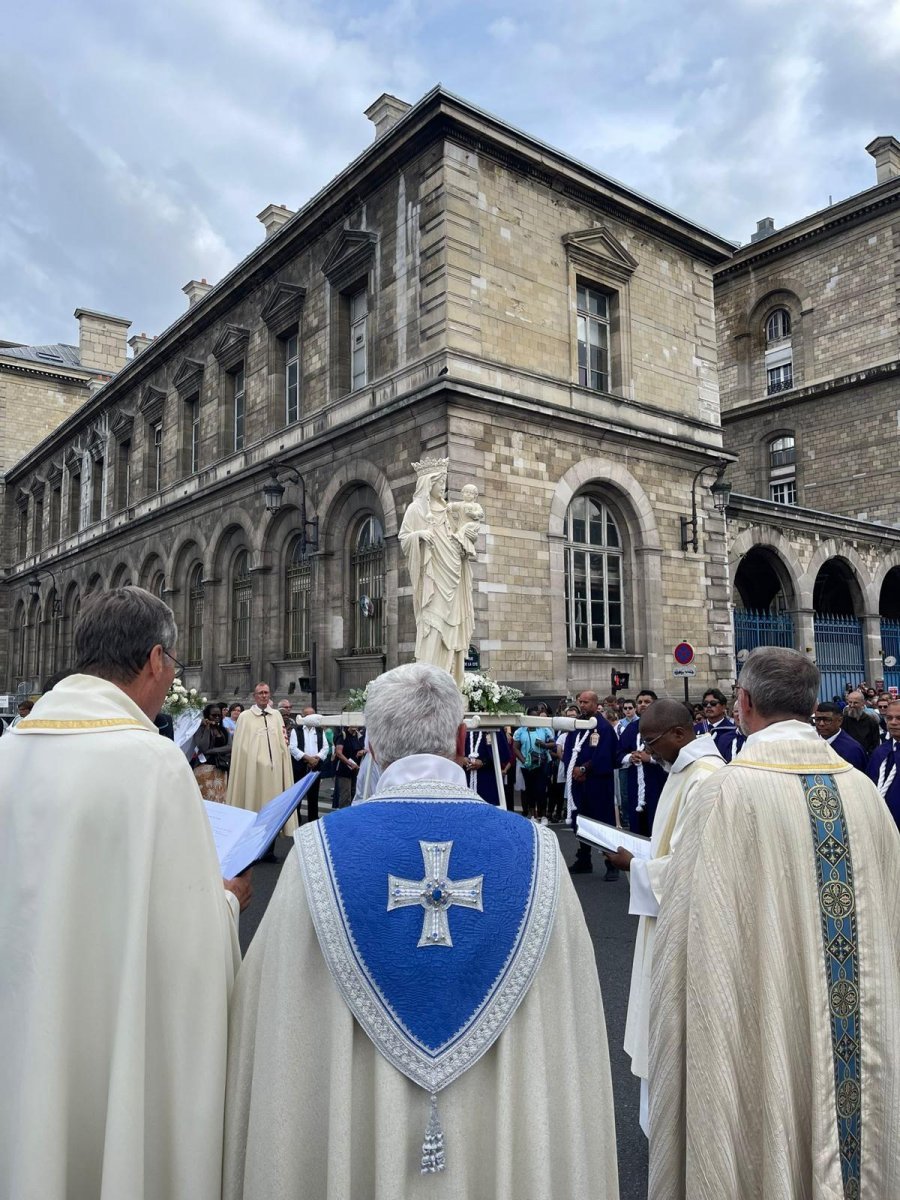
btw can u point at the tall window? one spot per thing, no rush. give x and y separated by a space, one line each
74 501
358 318
779 352
298 586
20 635
38 523
123 475
70 616
594 598
97 490
33 664
195 617
241 600
156 461
783 470
51 653
593 338
291 379
191 435
54 531
237 407
367 568
22 530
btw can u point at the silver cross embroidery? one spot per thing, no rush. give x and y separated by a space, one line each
435 893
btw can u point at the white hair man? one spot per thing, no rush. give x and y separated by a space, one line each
117 944
774 1041
430 934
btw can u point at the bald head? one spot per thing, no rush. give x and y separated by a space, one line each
667 726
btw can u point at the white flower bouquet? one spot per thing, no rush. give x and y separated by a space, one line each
180 699
485 695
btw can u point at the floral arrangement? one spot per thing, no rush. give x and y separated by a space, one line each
485 695
180 699
356 701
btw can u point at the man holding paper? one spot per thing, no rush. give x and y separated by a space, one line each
667 730
117 944
775 1045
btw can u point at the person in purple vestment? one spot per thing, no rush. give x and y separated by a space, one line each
590 758
828 719
478 763
884 764
644 779
717 722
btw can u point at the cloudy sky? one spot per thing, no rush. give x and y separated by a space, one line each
137 143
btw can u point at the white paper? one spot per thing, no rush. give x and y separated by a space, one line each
241 835
607 837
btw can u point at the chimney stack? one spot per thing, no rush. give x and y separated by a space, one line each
195 290
101 341
886 152
764 228
273 216
139 342
386 112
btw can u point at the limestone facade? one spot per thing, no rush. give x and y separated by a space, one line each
426 302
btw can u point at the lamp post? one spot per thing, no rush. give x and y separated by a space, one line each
721 493
273 493
34 585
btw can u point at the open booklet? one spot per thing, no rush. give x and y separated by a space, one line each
607 837
242 836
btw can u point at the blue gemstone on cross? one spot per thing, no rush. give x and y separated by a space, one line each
435 893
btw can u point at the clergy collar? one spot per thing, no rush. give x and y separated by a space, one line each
420 768
784 731
258 712
701 747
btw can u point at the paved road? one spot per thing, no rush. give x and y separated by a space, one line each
612 931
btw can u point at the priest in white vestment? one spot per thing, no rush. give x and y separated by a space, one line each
667 730
117 943
260 757
775 1038
472 1063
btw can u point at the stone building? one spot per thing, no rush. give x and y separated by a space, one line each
809 367
459 289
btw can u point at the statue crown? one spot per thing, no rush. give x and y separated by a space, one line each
431 464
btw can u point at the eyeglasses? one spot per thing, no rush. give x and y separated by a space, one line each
179 666
711 703
652 741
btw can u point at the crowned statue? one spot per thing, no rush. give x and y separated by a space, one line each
438 539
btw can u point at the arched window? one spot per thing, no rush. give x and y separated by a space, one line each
241 600
52 648
33 663
195 617
778 325
779 352
70 616
594 601
782 469
298 584
157 584
20 637
367 571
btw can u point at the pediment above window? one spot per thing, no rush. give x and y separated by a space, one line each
96 449
352 256
284 306
152 401
72 458
54 474
598 251
121 424
22 498
188 379
231 345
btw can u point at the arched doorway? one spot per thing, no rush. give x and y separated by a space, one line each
763 599
889 611
837 625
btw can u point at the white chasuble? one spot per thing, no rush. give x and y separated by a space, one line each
421 996
775 1036
647 878
118 952
260 761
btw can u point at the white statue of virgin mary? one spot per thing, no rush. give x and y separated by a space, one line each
438 557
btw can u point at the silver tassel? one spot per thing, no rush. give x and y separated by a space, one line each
433 1146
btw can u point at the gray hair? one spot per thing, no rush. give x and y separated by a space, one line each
116 631
780 682
414 709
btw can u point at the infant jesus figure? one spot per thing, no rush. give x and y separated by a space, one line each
466 517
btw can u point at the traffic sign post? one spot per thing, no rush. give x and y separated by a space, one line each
684 656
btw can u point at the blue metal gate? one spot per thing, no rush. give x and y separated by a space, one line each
890 646
752 629
839 653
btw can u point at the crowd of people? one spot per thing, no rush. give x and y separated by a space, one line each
419 1012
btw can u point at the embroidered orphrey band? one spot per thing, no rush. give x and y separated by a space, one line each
837 909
